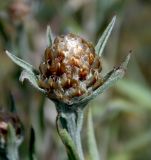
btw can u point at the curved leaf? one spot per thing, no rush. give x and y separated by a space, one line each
31 78
21 63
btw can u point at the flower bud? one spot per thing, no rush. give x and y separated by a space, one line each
7 118
18 10
70 69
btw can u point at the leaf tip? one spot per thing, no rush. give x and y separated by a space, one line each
105 36
114 19
125 63
21 78
7 52
49 36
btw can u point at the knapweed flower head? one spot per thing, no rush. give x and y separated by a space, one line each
70 72
7 119
70 69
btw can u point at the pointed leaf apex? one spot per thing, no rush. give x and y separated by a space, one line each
125 63
49 36
114 19
21 63
109 79
103 40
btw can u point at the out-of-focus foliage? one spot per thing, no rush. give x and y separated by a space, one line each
122 114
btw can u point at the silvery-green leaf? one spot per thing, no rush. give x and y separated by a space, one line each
21 63
68 142
32 78
109 80
103 40
92 146
49 36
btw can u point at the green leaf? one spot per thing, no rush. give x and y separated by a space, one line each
71 149
49 36
103 40
92 146
21 63
109 80
32 78
68 142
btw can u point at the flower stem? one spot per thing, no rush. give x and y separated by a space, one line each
72 122
13 154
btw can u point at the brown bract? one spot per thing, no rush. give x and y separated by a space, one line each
70 68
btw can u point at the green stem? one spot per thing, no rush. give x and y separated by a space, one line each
13 153
72 122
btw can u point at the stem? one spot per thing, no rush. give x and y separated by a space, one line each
72 122
73 126
13 153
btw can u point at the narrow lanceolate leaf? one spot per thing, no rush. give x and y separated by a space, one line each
109 80
32 78
21 63
68 142
103 40
92 146
49 36
71 149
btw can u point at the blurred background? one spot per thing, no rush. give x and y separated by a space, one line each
122 115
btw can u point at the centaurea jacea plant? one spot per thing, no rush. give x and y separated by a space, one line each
70 75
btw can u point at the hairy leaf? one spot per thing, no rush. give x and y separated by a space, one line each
103 40
68 142
21 63
49 36
32 78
